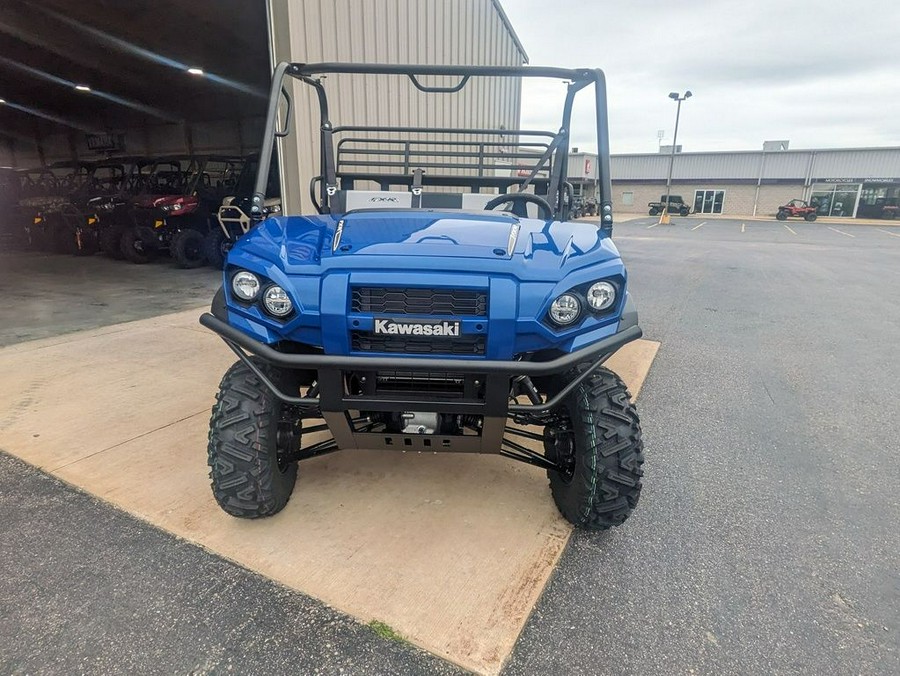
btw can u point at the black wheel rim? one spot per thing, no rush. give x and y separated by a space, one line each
560 447
287 438
192 250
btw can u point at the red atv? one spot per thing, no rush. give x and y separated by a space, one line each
890 209
797 208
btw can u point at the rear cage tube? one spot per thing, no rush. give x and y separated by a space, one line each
557 185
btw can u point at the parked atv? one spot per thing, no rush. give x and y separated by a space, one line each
426 320
174 214
796 209
113 210
40 194
676 206
11 236
105 180
583 207
890 209
233 216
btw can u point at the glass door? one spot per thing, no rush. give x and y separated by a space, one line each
718 201
709 201
835 200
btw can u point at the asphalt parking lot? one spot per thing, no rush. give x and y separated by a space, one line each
765 541
766 538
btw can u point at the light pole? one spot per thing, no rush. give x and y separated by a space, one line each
675 96
762 166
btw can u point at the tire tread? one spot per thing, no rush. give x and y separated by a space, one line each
609 456
246 481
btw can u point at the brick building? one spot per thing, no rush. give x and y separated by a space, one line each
845 182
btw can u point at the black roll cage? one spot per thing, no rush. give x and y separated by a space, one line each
549 171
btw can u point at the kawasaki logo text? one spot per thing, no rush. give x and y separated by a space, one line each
393 328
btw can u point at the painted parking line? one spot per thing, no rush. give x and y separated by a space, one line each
790 229
743 226
699 226
846 234
892 234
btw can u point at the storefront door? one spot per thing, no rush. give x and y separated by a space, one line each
708 201
836 199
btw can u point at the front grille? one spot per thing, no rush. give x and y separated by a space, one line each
470 345
425 302
410 381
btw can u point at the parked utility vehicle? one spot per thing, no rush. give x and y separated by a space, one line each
174 212
797 209
890 209
426 320
234 213
677 205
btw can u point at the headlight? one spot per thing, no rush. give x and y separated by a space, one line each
277 302
245 285
601 296
565 309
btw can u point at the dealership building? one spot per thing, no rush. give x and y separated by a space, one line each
843 182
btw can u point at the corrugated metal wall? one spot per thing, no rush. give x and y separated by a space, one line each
233 137
789 164
390 31
582 166
857 164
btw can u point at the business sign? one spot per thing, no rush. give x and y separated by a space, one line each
105 142
880 179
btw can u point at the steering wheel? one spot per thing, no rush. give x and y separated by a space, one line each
519 200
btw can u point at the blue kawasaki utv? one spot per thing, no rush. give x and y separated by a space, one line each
438 300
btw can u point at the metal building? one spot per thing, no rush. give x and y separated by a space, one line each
845 182
390 31
153 93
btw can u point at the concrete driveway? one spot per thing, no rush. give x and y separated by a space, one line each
765 540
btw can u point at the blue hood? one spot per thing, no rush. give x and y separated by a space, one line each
439 240
417 233
427 249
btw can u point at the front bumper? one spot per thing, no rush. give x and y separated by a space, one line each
593 354
486 391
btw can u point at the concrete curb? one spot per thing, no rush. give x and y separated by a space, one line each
620 217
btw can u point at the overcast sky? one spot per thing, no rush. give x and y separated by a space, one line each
821 74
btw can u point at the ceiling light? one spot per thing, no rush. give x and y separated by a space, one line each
2 101
195 71
82 88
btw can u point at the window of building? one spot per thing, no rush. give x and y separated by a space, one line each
709 201
835 199
874 198
628 199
